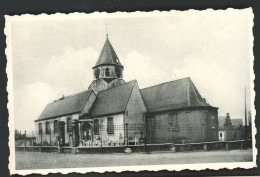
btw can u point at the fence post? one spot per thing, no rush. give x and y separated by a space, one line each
203 131
25 138
41 136
41 141
126 124
50 136
101 133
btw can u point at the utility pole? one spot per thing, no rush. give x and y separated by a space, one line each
245 117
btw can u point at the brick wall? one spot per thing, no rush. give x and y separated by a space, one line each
134 115
53 136
194 125
99 84
135 108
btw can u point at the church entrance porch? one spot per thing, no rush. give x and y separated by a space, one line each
102 133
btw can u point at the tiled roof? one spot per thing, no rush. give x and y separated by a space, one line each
66 105
235 122
113 100
108 55
172 95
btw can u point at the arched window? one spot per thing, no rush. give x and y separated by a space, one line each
118 71
56 126
96 127
40 128
213 122
107 73
69 124
47 127
96 73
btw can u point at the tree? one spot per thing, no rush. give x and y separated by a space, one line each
18 135
227 125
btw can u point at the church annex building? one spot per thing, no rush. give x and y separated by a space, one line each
113 112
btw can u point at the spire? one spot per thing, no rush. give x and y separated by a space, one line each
108 55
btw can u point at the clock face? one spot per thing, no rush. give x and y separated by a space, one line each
118 71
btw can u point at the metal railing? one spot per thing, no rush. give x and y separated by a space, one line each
121 135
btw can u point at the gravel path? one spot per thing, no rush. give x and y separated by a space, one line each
38 160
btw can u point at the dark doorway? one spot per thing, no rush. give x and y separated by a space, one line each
62 133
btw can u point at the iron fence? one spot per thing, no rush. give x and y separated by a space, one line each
119 135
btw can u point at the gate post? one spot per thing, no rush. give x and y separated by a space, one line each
126 124
75 133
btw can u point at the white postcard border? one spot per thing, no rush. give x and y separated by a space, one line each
176 167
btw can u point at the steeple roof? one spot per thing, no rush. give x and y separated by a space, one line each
108 55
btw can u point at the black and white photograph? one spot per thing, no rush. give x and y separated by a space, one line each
131 91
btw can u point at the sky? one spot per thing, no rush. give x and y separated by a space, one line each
54 57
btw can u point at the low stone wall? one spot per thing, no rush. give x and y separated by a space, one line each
49 149
37 148
215 145
207 146
121 149
239 144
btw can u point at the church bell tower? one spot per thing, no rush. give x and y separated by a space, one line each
108 71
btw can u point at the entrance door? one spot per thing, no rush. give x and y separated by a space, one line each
86 134
62 132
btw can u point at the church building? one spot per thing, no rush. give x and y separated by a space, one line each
113 112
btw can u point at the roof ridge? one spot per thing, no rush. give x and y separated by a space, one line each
116 86
87 100
130 93
165 83
197 94
69 96
192 86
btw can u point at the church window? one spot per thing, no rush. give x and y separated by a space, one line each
96 127
56 126
173 121
69 125
151 123
213 121
110 126
118 71
47 127
96 73
40 128
107 73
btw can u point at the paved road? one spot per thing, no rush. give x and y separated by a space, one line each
37 160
